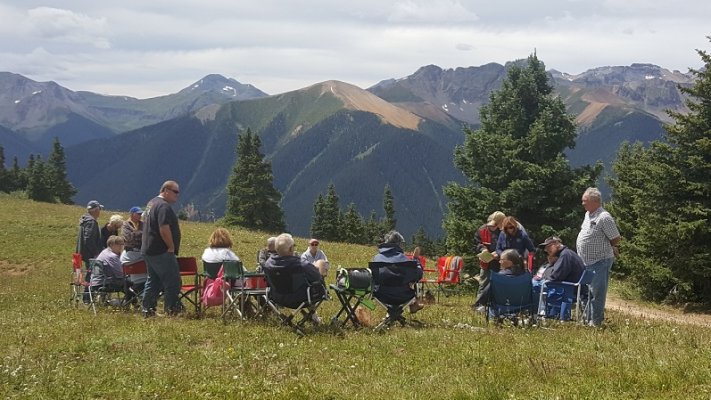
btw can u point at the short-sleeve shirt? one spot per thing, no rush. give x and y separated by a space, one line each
158 212
320 255
597 230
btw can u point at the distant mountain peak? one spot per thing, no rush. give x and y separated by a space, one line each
356 98
226 86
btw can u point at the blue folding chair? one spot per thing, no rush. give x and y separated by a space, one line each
559 298
511 298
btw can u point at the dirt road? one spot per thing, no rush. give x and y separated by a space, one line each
626 307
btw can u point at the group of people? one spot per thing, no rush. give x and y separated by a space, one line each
153 234
506 244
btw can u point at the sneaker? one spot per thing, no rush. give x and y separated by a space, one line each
480 309
415 307
149 313
316 319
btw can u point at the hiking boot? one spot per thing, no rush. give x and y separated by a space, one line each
149 313
415 307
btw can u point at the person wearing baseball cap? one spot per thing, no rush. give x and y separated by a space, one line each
89 239
568 267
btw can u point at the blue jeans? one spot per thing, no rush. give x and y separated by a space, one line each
595 314
163 272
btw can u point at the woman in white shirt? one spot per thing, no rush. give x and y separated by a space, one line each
220 247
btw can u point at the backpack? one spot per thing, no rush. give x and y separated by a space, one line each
212 294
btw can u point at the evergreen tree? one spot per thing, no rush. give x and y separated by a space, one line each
515 163
38 185
353 230
252 200
16 176
373 229
390 221
331 212
662 197
4 174
317 221
60 187
419 238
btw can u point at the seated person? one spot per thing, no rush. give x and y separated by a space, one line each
286 261
390 251
219 247
317 257
511 265
111 228
112 275
132 232
265 253
567 267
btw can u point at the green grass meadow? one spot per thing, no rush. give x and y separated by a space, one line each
51 351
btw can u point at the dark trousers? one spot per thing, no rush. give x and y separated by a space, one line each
163 272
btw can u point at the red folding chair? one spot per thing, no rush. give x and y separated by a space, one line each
189 290
448 274
78 284
135 268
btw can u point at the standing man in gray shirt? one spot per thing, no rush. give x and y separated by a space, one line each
160 244
597 245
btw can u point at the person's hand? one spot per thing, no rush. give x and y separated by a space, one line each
616 251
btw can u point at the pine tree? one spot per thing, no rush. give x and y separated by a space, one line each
4 174
38 185
373 229
390 222
252 200
662 198
317 222
353 230
16 176
515 163
60 187
331 222
420 239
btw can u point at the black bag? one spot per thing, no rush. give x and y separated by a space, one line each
354 278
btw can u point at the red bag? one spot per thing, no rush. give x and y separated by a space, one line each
213 293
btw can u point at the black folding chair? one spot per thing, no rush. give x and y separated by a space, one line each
292 295
352 288
394 287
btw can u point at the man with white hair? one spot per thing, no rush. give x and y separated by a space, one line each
597 245
286 262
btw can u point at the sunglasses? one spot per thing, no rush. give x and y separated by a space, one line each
174 191
313 244
509 228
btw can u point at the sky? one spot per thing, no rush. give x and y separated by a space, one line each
148 48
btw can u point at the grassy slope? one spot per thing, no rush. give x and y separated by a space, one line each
51 351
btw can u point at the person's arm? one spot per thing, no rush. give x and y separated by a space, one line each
167 237
500 244
615 243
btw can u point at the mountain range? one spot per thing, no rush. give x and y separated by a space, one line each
400 132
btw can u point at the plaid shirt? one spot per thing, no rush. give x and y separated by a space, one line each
597 230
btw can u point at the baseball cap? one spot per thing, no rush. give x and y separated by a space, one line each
93 204
135 210
550 240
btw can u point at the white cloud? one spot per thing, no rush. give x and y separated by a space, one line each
149 48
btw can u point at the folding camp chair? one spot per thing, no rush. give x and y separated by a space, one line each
246 292
352 288
511 297
448 272
291 295
102 292
136 291
557 298
190 282
394 287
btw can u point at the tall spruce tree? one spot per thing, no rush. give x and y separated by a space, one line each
4 174
56 171
252 200
662 200
331 215
390 222
317 222
352 227
16 176
38 185
515 163
373 229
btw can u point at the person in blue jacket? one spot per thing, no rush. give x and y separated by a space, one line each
514 238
